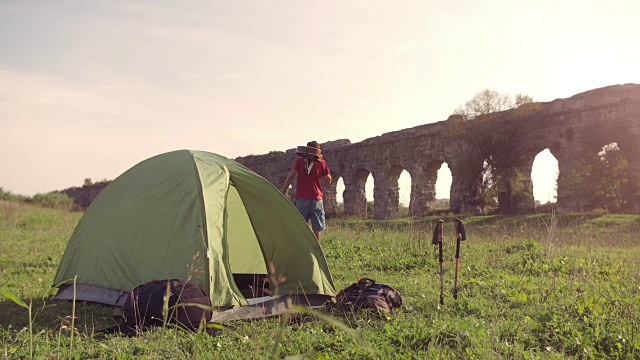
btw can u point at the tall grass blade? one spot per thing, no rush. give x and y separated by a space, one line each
338 324
73 314
30 330
275 353
19 302
14 298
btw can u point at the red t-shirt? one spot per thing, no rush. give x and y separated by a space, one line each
308 185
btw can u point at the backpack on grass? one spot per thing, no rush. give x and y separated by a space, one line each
144 306
367 293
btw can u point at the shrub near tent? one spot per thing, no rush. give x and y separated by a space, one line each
193 216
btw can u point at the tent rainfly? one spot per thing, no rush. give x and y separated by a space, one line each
193 216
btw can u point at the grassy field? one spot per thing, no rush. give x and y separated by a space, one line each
538 286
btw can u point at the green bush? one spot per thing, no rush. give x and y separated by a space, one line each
54 200
8 196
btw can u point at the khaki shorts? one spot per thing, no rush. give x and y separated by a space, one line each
312 210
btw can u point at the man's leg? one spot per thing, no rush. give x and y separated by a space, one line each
304 208
317 218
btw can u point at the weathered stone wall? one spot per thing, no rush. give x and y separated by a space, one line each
513 138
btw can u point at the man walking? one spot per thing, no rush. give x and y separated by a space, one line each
310 168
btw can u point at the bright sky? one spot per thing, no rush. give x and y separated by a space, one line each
90 88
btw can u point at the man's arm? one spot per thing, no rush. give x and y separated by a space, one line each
327 179
288 182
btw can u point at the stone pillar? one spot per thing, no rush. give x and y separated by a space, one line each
463 193
631 151
382 194
634 170
517 194
386 194
525 201
423 191
355 197
330 201
459 187
568 201
393 199
568 198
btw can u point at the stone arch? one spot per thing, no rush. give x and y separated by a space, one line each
340 194
544 177
443 178
404 192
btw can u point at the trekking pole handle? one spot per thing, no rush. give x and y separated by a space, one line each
460 233
440 230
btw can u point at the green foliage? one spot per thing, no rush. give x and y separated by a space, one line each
602 178
490 101
54 200
567 289
613 185
500 186
8 196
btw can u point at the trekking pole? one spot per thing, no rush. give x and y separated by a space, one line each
460 236
437 239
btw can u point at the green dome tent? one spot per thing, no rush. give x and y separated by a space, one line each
193 216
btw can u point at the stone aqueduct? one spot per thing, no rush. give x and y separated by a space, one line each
567 127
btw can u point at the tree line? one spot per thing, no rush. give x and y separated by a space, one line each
54 199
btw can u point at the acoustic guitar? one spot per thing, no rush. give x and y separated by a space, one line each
308 150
